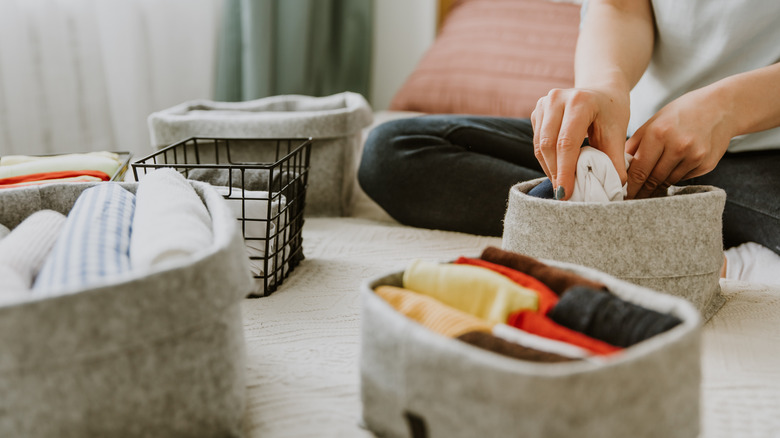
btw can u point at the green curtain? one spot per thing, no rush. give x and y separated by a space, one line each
309 47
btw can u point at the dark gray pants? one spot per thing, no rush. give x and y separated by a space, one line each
454 172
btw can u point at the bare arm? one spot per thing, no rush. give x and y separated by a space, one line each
688 137
613 50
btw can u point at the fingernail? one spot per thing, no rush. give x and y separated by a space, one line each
560 193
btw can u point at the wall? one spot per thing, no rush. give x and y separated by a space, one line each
403 30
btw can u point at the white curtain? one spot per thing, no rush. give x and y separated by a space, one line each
83 75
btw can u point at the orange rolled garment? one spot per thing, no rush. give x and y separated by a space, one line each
431 313
547 298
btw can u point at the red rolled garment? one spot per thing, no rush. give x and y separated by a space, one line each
559 280
541 325
547 298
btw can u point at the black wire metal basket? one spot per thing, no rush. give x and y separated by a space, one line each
264 182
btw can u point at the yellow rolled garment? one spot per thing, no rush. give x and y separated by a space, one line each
432 314
472 289
57 163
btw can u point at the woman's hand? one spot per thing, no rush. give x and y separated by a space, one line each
686 138
562 120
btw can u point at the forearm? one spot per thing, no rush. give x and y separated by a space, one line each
615 44
750 99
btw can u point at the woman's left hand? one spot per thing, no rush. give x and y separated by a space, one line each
686 138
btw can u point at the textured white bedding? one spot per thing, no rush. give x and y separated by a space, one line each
303 341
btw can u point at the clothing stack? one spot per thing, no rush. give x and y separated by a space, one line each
23 170
110 234
269 206
516 306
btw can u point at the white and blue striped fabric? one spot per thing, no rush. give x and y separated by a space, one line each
95 242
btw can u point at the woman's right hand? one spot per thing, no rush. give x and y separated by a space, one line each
565 117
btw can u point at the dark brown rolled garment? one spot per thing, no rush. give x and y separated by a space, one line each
486 341
559 280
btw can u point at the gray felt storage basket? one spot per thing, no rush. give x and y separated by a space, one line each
154 354
334 122
417 383
672 244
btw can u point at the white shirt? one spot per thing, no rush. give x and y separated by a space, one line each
699 42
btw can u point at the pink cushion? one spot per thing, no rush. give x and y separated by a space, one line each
494 57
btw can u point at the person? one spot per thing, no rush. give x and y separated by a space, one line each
692 84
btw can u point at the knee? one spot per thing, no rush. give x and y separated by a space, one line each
379 156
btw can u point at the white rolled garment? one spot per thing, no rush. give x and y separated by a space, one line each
530 340
261 214
171 223
25 249
95 241
596 179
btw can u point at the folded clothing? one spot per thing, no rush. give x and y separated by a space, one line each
171 222
62 176
475 290
10 160
59 163
431 313
543 326
547 298
487 341
4 231
249 179
264 222
24 250
604 316
95 241
559 280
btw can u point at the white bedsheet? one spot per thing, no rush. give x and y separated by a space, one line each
303 341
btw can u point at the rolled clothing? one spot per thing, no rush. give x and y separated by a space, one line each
487 341
547 298
604 316
26 248
431 313
471 289
543 190
541 325
59 163
559 280
261 213
596 179
530 340
94 244
171 222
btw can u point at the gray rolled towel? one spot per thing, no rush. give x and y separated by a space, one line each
606 317
247 179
